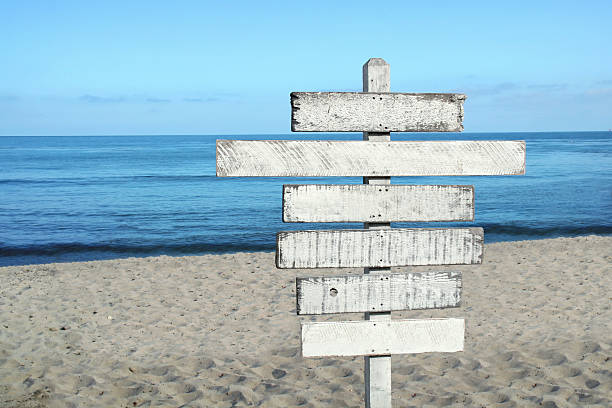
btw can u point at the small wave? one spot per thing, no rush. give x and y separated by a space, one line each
109 179
73 252
494 230
57 249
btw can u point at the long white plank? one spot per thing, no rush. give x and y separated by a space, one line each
379 248
359 338
376 112
320 158
378 292
377 203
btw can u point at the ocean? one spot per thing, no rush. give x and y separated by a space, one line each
78 198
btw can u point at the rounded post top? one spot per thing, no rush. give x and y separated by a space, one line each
375 62
376 76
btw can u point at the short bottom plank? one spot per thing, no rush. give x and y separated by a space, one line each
371 338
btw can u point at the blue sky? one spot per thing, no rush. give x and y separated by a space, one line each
203 67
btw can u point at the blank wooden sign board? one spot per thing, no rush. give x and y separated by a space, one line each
376 112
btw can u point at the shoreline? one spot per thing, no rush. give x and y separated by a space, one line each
221 330
172 255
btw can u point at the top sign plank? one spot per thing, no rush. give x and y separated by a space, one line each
376 112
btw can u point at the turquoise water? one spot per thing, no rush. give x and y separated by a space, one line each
83 198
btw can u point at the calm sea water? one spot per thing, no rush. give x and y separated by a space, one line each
84 198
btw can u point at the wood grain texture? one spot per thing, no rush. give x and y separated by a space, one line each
358 338
376 112
320 158
376 75
377 203
377 369
377 292
379 248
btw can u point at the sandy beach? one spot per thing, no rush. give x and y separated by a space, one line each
221 331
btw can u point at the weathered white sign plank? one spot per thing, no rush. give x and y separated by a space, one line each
321 158
378 292
376 112
356 338
379 248
377 203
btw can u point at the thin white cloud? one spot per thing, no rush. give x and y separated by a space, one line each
101 99
203 100
215 97
158 100
548 87
604 82
495 89
9 98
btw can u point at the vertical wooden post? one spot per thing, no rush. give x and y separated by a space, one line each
377 370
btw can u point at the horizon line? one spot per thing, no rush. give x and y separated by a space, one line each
293 133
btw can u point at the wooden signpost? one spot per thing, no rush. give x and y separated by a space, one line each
376 203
